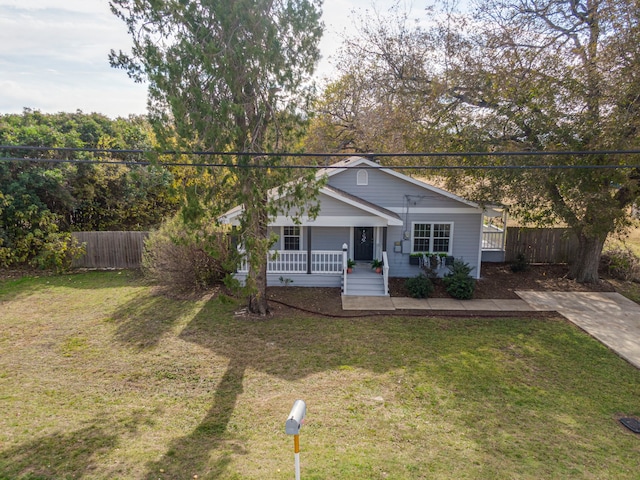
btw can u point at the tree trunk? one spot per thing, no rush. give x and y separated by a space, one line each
585 267
257 244
258 298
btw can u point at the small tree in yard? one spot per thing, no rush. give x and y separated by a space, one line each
230 77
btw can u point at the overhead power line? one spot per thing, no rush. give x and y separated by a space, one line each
320 167
139 152
324 155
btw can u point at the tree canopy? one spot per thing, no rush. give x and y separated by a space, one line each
534 75
40 201
230 77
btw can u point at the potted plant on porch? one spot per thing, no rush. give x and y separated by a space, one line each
350 265
377 265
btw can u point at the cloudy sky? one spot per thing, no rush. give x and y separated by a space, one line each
54 55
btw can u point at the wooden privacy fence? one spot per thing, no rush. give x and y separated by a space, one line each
541 245
124 249
110 249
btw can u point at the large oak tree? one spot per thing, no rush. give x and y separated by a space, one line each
551 75
528 75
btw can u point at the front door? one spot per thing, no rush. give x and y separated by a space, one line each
363 243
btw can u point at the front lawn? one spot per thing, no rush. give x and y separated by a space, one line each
101 379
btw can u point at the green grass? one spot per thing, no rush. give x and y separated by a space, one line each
630 240
100 379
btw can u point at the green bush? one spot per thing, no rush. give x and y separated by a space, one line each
37 242
182 260
58 252
521 264
622 264
458 281
419 286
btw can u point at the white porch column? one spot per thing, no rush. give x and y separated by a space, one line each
309 251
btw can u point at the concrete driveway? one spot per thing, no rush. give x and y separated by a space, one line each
609 317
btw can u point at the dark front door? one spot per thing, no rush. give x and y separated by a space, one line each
363 243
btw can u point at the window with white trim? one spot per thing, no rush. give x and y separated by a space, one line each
362 177
431 237
291 238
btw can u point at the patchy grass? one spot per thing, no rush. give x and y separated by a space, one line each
630 239
99 379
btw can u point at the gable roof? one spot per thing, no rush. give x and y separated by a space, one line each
387 216
356 161
391 218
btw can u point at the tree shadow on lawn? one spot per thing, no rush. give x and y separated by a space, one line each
141 324
146 318
470 358
67 454
290 348
193 451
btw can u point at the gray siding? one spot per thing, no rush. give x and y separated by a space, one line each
466 242
493 256
329 238
335 208
322 238
388 191
329 207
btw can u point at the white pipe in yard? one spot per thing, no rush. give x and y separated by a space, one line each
296 455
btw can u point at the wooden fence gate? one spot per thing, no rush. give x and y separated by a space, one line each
110 249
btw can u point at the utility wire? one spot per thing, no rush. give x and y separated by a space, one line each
320 167
318 155
323 155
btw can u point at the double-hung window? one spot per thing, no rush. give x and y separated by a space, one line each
291 238
432 237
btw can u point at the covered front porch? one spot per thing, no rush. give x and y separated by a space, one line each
314 251
323 268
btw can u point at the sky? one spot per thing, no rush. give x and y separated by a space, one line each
54 55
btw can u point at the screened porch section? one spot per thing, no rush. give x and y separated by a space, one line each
494 228
494 234
493 237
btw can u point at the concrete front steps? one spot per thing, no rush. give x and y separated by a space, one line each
365 283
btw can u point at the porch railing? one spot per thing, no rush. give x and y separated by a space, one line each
296 261
287 261
326 261
492 238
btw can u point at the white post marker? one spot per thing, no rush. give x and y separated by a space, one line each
292 427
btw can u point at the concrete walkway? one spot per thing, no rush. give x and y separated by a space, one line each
449 304
609 317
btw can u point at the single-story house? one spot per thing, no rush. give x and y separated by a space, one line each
369 212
